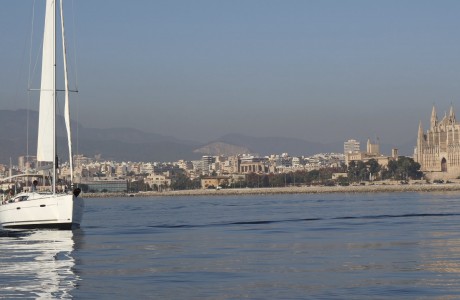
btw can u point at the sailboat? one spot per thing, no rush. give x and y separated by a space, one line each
51 209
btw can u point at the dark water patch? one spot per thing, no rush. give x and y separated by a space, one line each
15 233
133 208
256 222
268 222
177 226
264 222
93 227
178 207
251 223
397 216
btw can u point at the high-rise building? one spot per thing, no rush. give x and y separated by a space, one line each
351 146
373 148
206 162
26 162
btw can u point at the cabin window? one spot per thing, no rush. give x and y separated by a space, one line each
20 198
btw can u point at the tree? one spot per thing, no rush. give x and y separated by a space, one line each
343 181
312 176
253 180
196 183
360 171
138 185
373 167
357 171
392 168
408 169
181 182
402 169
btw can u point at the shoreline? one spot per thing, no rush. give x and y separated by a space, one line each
448 187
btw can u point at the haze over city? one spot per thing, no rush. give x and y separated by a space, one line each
322 71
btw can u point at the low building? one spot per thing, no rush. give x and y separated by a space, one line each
97 186
214 182
336 176
158 180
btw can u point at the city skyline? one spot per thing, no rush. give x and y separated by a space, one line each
322 71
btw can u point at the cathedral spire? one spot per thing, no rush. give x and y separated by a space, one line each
434 118
452 114
420 139
420 130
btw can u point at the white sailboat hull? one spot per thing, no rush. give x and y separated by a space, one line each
59 211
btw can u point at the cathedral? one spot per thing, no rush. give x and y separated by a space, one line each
438 150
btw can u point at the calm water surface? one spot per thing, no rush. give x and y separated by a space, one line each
355 246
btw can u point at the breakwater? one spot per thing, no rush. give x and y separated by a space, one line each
376 188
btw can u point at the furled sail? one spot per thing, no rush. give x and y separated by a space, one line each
45 146
66 105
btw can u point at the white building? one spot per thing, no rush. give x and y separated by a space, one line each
351 146
158 180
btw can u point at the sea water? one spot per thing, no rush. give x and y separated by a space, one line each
324 246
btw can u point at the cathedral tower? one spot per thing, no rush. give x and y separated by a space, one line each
438 150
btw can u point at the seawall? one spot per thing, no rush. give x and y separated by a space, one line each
293 190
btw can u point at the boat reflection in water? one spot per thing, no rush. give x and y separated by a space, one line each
37 264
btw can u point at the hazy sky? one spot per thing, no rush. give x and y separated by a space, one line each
318 70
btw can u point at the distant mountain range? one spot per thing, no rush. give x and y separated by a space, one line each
127 144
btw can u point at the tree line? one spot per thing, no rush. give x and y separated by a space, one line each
402 169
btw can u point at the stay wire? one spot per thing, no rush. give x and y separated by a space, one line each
76 77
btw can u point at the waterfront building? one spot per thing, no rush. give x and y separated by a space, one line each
158 180
95 186
214 181
438 150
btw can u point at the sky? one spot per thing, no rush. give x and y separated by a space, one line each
323 70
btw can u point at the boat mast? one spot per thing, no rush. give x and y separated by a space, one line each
54 97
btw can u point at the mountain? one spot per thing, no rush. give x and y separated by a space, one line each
127 144
120 144
220 148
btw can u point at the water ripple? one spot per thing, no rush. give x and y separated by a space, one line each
265 222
